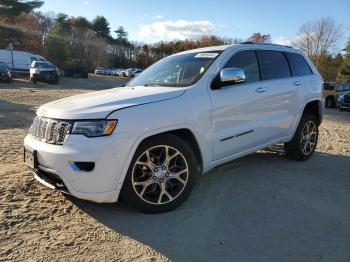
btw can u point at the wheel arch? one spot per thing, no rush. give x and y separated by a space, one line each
184 133
315 108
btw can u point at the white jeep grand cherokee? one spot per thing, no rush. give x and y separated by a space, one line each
182 116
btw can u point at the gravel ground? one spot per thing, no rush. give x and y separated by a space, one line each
262 207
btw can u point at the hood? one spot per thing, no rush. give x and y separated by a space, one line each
98 105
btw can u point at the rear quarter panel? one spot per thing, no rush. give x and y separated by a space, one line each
311 92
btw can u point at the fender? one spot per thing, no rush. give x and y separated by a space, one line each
150 133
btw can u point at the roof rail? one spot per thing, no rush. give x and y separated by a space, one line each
258 43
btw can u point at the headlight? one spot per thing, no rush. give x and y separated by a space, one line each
94 128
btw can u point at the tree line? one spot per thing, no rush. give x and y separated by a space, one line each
76 41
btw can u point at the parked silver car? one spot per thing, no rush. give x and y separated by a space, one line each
100 70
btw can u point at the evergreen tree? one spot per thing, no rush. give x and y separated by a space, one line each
121 33
80 22
13 8
62 25
101 26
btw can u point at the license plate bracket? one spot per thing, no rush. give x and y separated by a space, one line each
30 158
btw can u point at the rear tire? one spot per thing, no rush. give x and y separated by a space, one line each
304 141
161 175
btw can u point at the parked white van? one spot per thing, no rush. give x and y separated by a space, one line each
181 117
21 60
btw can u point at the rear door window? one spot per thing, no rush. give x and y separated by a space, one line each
298 65
273 65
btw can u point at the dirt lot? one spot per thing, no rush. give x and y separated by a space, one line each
262 207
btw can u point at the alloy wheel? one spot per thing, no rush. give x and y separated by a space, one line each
308 138
160 174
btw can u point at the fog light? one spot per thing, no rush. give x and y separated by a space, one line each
82 166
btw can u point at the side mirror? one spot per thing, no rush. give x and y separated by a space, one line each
232 76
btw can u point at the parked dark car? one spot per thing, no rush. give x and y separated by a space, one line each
77 71
344 101
333 91
329 94
44 71
5 73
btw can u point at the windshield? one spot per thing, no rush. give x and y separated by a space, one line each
178 71
44 65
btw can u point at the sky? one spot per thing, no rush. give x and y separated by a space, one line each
153 20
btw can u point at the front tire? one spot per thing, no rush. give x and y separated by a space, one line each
56 80
304 142
161 175
33 79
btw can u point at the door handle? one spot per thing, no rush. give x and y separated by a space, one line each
260 90
297 83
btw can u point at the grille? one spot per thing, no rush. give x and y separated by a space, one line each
49 130
47 73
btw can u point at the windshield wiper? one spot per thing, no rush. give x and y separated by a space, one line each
152 85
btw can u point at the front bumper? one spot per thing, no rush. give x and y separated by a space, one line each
48 76
110 155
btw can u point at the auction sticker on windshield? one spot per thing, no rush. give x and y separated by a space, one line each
206 55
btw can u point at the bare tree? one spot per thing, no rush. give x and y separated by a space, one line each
260 38
318 37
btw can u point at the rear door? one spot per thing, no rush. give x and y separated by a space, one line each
282 92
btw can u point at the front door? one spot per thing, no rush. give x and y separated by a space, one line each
240 112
